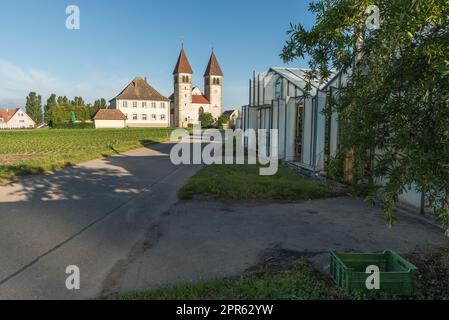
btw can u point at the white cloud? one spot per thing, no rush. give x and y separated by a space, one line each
16 82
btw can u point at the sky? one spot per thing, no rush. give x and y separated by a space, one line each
119 40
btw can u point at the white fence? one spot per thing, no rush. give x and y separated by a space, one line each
4 126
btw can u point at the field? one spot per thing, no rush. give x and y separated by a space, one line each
29 152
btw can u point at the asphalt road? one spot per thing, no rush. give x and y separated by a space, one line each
119 220
91 215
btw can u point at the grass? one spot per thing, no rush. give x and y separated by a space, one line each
299 283
244 182
29 152
302 282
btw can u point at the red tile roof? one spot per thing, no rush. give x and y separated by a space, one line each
200 99
183 65
7 114
109 114
139 89
213 68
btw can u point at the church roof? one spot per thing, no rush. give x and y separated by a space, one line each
183 65
200 99
213 68
139 89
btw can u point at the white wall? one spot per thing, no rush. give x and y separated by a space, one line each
149 110
103 124
20 120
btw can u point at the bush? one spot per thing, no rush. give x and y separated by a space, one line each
207 120
78 125
223 119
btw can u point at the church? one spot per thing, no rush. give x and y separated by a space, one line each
189 102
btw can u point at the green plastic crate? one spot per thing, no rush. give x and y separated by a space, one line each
397 275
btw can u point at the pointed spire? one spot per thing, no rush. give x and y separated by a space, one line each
183 65
213 68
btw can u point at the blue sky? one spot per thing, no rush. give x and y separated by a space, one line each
119 40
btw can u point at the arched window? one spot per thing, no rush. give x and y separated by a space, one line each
218 81
201 111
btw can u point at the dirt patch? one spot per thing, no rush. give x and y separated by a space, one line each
433 274
10 159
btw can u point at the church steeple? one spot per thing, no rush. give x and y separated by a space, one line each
183 65
213 67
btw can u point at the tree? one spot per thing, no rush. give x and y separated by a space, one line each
34 107
396 102
223 119
206 119
51 102
98 104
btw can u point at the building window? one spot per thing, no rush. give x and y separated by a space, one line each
163 117
134 104
126 116
134 116
153 117
144 105
125 104
218 81
153 105
144 117
162 105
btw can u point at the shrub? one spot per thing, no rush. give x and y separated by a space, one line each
207 120
78 125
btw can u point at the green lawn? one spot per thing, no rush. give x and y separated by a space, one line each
244 182
33 151
301 282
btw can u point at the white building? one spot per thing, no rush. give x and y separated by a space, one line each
109 118
187 101
307 136
142 105
279 100
15 119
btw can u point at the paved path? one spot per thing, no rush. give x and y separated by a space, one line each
119 220
198 240
90 215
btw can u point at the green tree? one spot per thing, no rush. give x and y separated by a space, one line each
396 100
51 102
98 104
206 119
34 107
223 119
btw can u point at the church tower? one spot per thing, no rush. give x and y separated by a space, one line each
213 77
183 90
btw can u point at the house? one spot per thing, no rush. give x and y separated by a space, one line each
142 105
187 101
109 118
233 116
15 119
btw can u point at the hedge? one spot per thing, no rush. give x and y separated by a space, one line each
79 125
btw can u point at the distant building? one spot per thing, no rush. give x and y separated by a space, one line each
233 116
15 119
142 105
188 102
109 118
